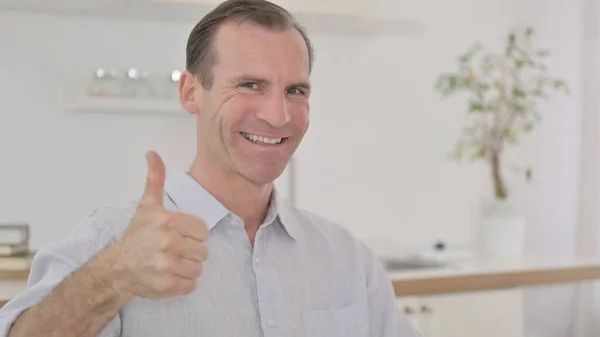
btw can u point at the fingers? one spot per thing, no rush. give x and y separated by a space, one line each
178 266
190 226
174 285
188 269
155 181
192 249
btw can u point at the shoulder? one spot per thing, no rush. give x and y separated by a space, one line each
307 223
113 219
313 227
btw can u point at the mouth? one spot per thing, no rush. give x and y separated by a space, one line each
262 140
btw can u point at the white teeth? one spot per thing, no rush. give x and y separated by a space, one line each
260 139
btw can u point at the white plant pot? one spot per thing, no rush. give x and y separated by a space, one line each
501 228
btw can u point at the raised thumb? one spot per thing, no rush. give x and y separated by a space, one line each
155 181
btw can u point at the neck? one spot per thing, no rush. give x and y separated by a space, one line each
245 199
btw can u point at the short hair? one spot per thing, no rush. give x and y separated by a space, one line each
200 53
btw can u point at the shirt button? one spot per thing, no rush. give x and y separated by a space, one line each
271 322
256 260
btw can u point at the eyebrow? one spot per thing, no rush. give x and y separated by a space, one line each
261 80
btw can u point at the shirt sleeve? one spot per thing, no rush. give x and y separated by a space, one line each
386 320
52 264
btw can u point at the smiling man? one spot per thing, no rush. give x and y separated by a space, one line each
215 251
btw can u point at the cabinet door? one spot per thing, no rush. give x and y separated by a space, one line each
409 307
490 314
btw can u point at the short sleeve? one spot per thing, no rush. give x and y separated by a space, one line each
52 264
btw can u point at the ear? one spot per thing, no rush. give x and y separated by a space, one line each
190 92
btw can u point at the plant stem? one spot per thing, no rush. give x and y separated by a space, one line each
499 188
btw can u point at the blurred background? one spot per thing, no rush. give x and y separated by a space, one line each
87 87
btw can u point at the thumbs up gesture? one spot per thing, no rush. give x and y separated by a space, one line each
161 253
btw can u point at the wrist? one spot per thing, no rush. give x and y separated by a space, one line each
106 269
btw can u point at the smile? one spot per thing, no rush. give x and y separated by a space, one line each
261 139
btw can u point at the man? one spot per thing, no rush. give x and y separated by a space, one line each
214 251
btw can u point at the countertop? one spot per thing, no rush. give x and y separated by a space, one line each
471 274
488 273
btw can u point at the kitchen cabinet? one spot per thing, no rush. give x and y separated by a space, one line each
497 313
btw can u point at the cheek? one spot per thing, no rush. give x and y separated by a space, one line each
300 117
234 115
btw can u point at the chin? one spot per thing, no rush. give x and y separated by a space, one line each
262 175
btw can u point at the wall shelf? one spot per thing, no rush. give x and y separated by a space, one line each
330 17
131 106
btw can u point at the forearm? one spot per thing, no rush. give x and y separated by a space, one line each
82 305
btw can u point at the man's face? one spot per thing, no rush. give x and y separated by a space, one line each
253 118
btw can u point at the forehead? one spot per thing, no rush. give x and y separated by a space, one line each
249 48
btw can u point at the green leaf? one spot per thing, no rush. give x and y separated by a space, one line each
528 127
519 93
480 153
519 64
475 106
528 174
529 31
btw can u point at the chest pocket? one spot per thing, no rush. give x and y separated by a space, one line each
349 321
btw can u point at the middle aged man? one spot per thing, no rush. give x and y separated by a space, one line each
144 269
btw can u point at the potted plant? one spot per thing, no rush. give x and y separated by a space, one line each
502 91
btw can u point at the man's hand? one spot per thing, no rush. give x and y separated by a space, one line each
161 253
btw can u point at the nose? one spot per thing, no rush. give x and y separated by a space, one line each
275 111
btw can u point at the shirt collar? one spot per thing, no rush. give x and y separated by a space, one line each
190 197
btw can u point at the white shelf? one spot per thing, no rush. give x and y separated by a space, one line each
316 18
131 106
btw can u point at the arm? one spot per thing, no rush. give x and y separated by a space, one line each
60 273
82 305
160 254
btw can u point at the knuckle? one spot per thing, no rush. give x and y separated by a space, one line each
203 230
199 269
164 265
185 287
168 284
167 243
165 220
204 252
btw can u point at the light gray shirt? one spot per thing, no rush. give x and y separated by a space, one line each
304 277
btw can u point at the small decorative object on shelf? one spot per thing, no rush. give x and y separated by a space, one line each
172 87
138 84
134 83
503 90
134 91
104 83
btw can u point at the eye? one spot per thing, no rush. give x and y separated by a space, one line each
295 91
250 85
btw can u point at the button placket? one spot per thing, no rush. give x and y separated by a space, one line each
267 299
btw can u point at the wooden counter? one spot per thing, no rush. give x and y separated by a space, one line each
15 268
14 275
467 276
483 274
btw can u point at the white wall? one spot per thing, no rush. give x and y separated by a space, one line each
58 166
588 304
373 160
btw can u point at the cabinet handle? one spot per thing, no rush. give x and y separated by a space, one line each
408 311
426 321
